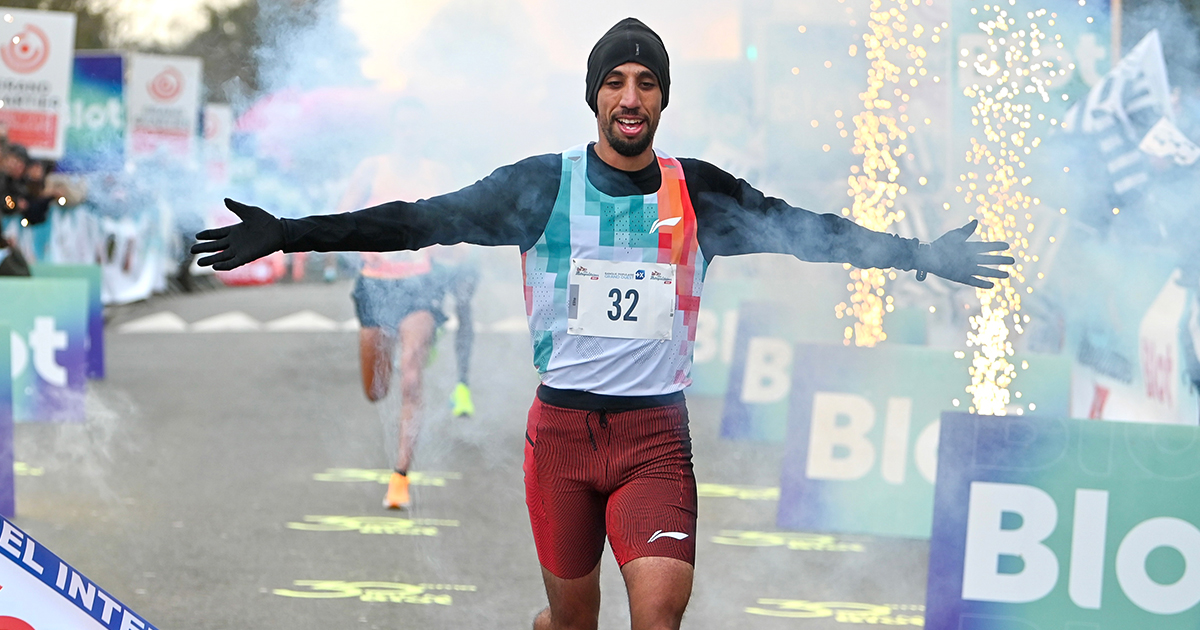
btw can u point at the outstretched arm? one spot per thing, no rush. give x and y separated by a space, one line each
508 207
735 218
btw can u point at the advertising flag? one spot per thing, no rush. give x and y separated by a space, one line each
163 98
96 124
35 78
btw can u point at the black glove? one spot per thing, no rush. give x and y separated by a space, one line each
257 235
954 258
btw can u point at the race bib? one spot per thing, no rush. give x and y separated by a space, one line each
625 300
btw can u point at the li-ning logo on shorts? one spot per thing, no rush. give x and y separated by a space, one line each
661 534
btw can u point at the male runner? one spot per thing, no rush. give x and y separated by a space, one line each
397 298
616 238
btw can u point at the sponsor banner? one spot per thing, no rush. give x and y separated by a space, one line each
49 319
35 78
95 327
218 141
39 590
8 503
760 373
96 120
861 452
1056 524
163 99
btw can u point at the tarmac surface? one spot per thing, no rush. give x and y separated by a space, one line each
230 476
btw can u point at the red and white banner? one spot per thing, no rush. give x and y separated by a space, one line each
37 49
163 104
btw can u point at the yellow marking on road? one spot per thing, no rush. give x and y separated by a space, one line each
842 612
796 541
373 525
745 493
376 592
21 469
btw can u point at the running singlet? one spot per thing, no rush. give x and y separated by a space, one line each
641 254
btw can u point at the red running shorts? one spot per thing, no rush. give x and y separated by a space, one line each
624 474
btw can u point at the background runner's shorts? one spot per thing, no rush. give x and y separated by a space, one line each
383 303
627 474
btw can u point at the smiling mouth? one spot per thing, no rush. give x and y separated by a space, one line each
630 126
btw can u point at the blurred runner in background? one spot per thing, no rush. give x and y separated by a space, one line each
398 300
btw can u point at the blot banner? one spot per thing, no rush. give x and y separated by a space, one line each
8 503
96 125
49 321
38 590
95 309
1051 524
861 454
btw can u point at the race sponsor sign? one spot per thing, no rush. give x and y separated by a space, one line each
8 503
38 591
96 120
1056 524
95 309
35 78
861 453
49 322
163 96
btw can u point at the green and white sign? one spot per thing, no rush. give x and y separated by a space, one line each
1050 524
863 433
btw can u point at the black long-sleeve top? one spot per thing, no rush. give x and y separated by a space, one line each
513 204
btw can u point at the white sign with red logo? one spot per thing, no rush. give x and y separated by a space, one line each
36 52
163 95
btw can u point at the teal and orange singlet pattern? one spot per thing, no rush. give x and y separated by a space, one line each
586 223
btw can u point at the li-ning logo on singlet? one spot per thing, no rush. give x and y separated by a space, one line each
668 222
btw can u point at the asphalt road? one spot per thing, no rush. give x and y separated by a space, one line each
233 480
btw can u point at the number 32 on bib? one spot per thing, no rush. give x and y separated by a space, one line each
624 300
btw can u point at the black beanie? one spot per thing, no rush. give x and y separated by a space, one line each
629 40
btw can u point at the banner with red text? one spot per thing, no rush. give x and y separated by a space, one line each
35 78
163 105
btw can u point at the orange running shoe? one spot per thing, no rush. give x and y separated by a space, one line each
397 493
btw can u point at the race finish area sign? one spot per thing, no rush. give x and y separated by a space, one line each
1051 524
35 78
624 300
163 104
38 591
